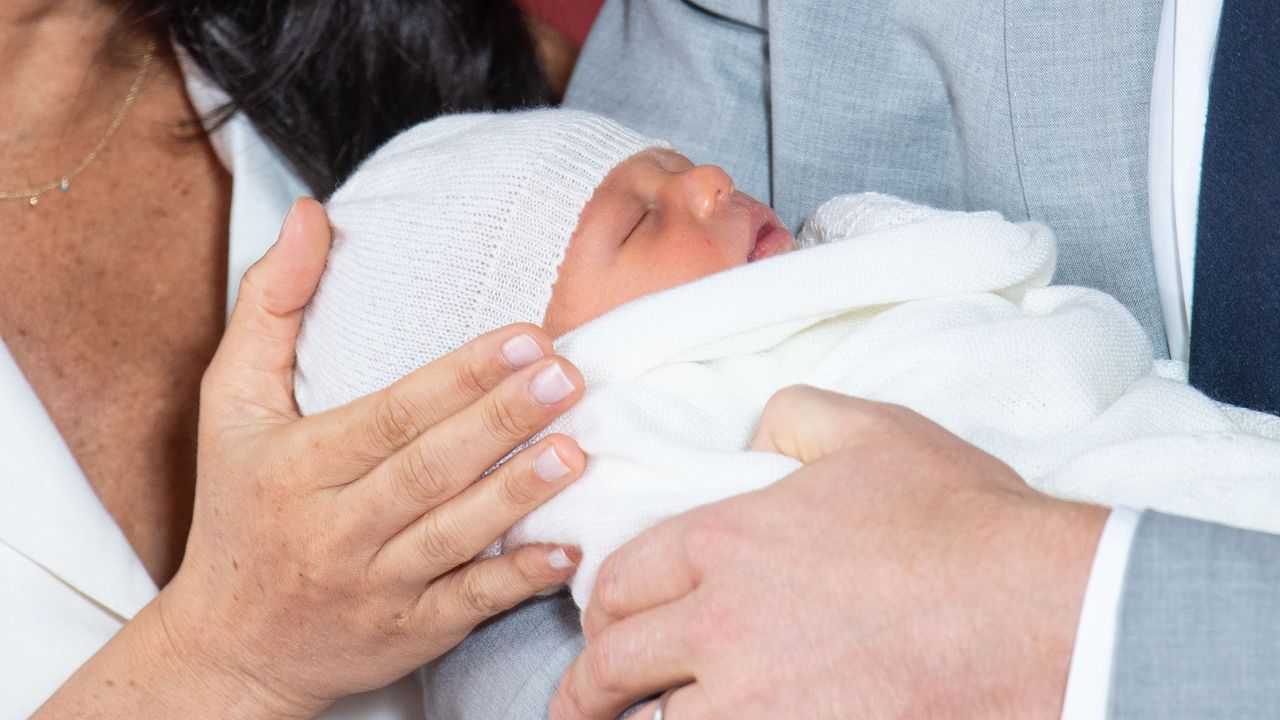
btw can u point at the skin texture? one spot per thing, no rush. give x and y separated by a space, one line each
332 554
114 292
326 555
556 52
902 573
657 221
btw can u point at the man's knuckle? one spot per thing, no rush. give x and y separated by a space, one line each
896 416
602 665
571 690
711 621
706 530
608 591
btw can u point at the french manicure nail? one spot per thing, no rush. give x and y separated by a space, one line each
551 385
559 559
520 351
549 466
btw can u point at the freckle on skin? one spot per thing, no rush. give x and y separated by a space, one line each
234 565
111 683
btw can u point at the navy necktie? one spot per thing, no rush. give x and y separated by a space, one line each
1235 317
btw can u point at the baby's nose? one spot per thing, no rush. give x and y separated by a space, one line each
704 187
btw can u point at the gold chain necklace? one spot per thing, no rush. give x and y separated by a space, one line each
63 182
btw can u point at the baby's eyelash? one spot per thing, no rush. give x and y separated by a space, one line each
637 225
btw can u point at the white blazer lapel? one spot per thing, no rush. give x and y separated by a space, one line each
263 187
49 513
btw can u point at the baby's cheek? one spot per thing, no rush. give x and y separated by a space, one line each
684 267
581 295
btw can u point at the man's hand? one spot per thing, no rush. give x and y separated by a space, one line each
902 573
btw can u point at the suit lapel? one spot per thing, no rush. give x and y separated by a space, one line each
49 513
1079 83
856 104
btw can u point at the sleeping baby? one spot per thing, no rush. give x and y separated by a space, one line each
686 306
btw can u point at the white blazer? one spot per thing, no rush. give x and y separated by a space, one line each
68 577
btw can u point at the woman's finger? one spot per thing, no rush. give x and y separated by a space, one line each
358 436
460 529
650 570
477 591
252 370
451 455
631 660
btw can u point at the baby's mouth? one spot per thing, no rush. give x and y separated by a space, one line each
771 239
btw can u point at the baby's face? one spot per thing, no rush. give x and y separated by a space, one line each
658 221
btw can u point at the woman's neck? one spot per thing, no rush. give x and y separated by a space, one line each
60 67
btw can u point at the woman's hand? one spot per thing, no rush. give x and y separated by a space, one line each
333 554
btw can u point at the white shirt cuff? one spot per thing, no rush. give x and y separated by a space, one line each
1089 680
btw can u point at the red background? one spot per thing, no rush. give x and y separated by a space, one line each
571 17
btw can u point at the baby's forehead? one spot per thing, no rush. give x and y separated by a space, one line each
653 158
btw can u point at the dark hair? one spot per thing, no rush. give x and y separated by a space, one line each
328 81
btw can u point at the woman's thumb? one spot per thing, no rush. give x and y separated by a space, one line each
253 367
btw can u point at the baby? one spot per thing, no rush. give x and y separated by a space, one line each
646 267
471 222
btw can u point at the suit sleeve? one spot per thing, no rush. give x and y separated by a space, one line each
1199 624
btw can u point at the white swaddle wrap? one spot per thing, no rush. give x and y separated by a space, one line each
947 313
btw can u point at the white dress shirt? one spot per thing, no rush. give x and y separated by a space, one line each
69 579
1179 107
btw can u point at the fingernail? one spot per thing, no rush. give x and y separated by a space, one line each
520 351
560 560
549 467
551 385
286 225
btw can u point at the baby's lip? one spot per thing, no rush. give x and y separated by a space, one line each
770 238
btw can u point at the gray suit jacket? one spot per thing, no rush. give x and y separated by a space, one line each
1035 108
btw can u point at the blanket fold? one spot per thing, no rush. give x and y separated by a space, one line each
948 313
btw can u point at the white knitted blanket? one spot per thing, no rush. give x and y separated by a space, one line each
947 313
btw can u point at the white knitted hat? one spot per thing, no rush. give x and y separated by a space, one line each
453 228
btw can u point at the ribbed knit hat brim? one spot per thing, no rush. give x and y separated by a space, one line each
455 227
